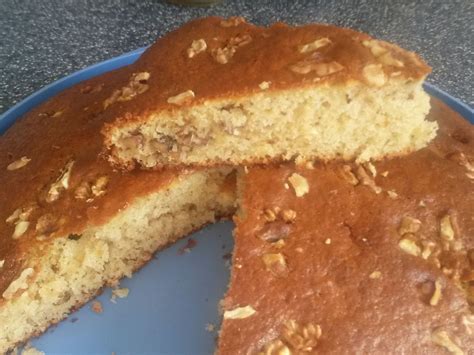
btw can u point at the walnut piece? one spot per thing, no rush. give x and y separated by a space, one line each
392 194
224 54
18 164
409 225
312 46
383 54
347 174
299 184
441 337
137 85
288 215
61 183
375 275
182 98
446 230
301 337
240 313
275 231
409 246
264 85
89 190
232 21
47 224
270 215
21 283
197 46
20 228
276 347
321 69
2 262
367 180
374 74
436 297
275 263
468 322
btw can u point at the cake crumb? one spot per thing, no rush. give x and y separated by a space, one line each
210 327
120 293
97 307
190 244
30 350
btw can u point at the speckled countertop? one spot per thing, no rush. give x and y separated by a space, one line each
42 41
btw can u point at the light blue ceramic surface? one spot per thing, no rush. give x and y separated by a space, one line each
175 295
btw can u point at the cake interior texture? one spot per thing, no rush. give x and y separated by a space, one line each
325 122
75 267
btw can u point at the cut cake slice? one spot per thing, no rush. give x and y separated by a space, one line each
70 224
343 259
225 91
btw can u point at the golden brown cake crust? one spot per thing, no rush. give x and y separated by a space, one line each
259 55
64 129
340 266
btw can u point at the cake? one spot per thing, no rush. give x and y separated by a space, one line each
225 91
70 224
346 258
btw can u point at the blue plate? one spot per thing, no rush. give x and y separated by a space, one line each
176 294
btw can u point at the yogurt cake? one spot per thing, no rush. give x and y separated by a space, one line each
368 259
225 91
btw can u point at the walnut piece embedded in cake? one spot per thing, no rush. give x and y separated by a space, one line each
367 180
316 44
18 164
275 263
441 337
374 74
21 283
182 98
409 246
240 313
409 225
299 184
232 21
137 85
302 337
436 297
446 230
197 46
61 183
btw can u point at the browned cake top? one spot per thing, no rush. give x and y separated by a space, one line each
358 262
212 57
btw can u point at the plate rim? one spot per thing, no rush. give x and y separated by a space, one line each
19 109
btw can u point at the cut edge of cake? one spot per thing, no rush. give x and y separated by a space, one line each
72 269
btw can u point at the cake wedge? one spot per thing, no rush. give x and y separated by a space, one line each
225 91
70 224
345 258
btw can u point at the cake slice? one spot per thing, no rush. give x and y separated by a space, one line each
369 259
70 224
225 91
